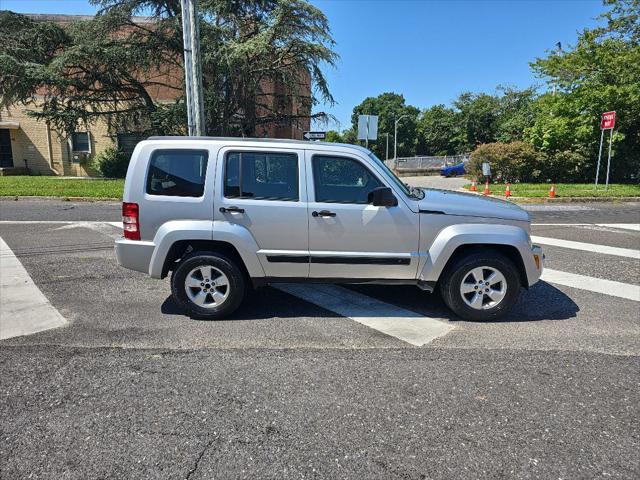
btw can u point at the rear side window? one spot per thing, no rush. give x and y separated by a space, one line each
177 173
261 176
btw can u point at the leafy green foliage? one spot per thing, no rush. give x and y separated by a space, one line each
107 67
334 137
437 131
509 161
112 163
389 107
600 73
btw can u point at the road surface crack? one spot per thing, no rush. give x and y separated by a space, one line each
199 458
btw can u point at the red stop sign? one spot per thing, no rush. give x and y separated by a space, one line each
608 120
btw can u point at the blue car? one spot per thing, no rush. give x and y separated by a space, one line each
453 170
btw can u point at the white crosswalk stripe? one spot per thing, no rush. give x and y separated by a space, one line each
587 247
592 284
23 307
397 322
625 226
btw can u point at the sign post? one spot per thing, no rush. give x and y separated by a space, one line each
367 128
607 122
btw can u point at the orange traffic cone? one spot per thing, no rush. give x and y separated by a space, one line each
552 192
474 186
486 189
507 192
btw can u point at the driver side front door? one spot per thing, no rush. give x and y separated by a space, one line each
348 237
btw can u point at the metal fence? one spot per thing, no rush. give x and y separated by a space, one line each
426 164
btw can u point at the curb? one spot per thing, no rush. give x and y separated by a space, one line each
16 198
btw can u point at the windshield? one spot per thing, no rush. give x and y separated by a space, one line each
408 190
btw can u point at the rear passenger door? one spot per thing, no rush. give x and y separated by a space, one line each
263 190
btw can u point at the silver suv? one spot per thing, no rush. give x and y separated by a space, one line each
225 214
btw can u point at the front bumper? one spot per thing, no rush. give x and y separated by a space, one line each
134 254
537 260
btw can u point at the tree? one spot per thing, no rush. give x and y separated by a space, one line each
516 112
437 131
389 106
598 74
334 137
478 119
107 66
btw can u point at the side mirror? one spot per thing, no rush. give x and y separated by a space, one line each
382 197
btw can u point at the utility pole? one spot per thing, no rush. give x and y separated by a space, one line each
192 68
395 139
387 154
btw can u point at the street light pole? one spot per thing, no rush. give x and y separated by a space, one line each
387 154
395 139
192 68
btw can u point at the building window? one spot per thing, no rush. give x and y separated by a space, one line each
80 142
127 142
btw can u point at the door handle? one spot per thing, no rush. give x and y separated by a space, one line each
323 213
231 210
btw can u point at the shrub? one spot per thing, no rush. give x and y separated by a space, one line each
564 166
112 163
511 162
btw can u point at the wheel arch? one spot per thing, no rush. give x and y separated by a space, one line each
175 238
453 241
508 251
182 248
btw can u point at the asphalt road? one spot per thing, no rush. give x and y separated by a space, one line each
132 388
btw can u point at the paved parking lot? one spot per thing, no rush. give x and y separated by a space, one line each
293 387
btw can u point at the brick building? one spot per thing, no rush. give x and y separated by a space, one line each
31 146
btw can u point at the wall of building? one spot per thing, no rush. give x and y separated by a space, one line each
47 151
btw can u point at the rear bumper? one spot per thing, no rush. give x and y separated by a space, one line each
534 270
134 254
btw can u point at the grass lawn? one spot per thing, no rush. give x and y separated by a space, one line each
60 187
564 190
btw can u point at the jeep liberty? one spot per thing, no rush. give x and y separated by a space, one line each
226 214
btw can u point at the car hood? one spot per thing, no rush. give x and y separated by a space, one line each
469 204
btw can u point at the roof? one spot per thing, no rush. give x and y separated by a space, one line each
261 140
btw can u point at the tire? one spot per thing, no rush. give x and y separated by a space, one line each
208 285
464 274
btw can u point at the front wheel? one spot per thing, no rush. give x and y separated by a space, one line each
481 285
208 285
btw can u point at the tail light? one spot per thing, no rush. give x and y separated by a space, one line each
131 221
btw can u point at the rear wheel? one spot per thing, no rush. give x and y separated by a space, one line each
481 285
208 285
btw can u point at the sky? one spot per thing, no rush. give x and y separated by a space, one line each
430 51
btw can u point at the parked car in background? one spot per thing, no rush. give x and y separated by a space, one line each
453 170
226 213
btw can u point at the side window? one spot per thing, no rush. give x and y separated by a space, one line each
177 173
261 176
342 180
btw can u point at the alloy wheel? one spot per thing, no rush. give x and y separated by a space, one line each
483 288
207 286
